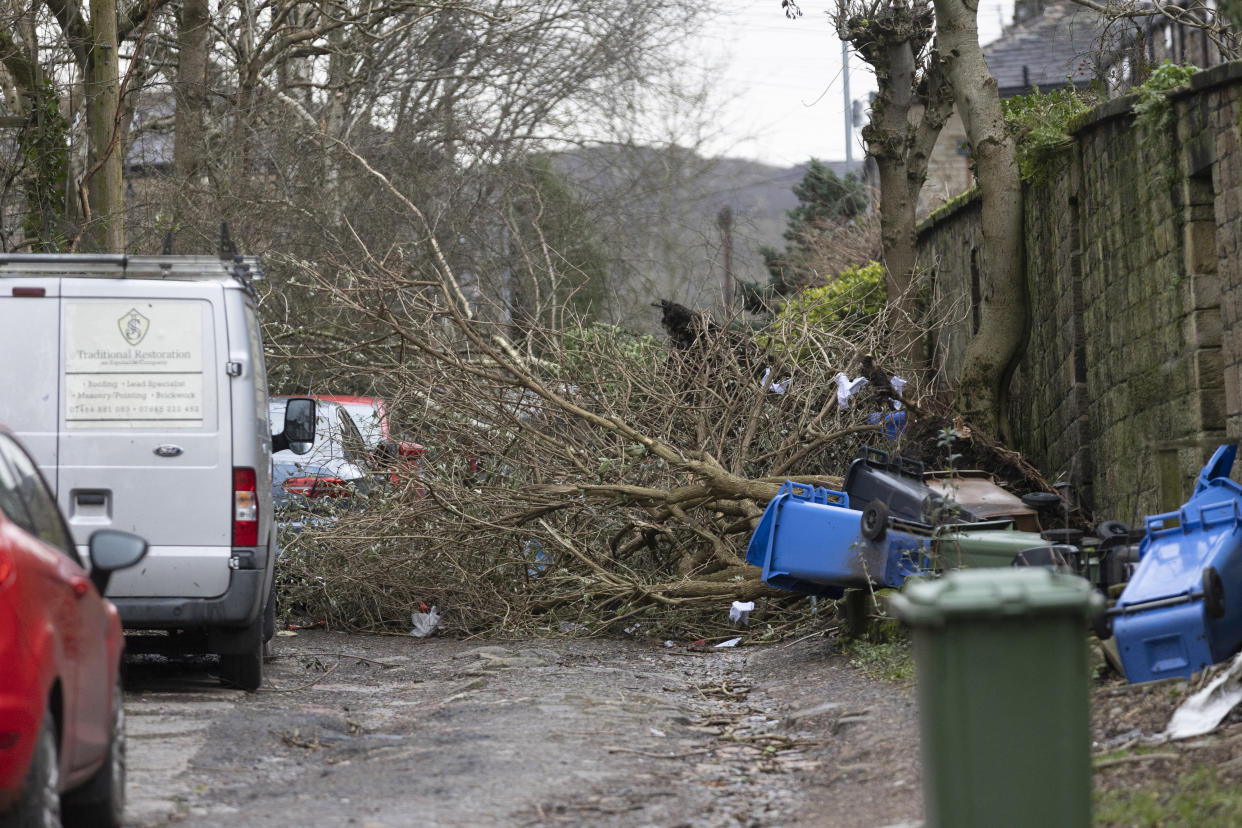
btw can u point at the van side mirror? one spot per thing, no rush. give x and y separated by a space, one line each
299 432
112 550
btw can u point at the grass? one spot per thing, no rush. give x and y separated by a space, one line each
1197 799
890 660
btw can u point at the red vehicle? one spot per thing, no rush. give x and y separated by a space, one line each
62 719
370 414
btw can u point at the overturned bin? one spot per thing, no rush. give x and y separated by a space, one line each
810 541
1182 608
1003 696
895 485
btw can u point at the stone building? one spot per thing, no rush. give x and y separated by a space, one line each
1049 45
1055 43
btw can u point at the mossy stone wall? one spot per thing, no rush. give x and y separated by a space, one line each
1132 370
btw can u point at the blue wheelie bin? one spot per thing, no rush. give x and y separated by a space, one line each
810 541
1182 608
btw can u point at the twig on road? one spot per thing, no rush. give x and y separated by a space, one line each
338 655
805 637
1139 757
616 749
318 679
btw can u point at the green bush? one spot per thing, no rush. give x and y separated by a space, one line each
1153 109
850 300
582 344
1039 122
856 293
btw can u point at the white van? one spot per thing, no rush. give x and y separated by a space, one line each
138 384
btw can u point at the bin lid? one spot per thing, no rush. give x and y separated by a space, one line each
1022 591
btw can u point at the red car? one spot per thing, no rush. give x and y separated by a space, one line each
62 720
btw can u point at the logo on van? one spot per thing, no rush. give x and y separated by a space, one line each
134 326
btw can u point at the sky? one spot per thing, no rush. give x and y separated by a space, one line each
786 75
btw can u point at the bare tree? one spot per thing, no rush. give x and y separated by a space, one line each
65 58
996 346
1218 21
910 108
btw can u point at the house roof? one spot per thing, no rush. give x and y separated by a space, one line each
1058 46
151 144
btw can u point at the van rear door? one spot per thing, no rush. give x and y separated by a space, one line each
144 446
29 373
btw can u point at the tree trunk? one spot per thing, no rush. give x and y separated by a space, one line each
724 220
335 128
1003 319
191 82
893 40
899 242
104 186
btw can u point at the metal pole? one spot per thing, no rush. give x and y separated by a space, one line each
849 109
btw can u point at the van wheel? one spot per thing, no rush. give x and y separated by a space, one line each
100 803
39 805
244 670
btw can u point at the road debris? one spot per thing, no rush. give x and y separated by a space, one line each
425 623
1205 710
739 613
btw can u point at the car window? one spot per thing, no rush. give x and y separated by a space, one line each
351 439
276 413
46 522
367 418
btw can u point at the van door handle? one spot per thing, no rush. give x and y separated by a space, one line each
93 499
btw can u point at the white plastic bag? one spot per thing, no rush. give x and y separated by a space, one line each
739 613
425 623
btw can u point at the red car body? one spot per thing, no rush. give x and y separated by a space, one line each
60 640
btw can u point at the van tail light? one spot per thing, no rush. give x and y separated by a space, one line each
316 486
6 567
245 508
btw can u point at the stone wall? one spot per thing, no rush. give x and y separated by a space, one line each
1132 370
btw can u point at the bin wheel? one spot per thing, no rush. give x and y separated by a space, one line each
1102 625
874 521
1041 500
1213 593
1111 529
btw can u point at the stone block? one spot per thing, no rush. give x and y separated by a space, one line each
1201 290
1211 406
1233 389
1200 246
1202 328
1208 368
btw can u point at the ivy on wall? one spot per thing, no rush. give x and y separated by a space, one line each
1042 122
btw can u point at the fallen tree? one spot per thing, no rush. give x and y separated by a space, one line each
576 477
